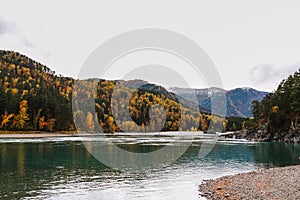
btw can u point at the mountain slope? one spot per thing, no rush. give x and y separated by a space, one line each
238 104
240 101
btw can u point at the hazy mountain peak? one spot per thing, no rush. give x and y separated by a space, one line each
239 100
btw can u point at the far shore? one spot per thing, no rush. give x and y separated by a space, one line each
43 134
38 134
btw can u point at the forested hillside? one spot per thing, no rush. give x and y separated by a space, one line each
33 97
277 116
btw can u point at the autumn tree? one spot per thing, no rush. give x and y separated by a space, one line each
5 119
90 121
50 124
22 117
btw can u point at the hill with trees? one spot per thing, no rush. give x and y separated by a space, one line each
34 98
277 116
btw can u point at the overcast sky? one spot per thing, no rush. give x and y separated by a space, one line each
252 43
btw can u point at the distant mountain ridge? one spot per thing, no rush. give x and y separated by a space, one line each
239 100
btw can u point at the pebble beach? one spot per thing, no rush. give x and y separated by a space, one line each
274 183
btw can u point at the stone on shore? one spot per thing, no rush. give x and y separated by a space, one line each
274 183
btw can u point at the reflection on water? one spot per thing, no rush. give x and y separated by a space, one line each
64 169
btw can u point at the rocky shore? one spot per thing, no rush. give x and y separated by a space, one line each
274 183
264 136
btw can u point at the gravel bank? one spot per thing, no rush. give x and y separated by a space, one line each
274 183
44 135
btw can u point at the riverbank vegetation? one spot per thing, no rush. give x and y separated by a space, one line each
277 116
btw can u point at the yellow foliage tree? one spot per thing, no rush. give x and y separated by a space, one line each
41 123
22 117
275 109
90 121
5 119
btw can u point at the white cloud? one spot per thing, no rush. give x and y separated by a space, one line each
269 76
5 27
236 35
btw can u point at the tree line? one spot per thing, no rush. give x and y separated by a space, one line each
33 97
279 112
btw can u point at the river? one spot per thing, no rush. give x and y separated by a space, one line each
63 168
